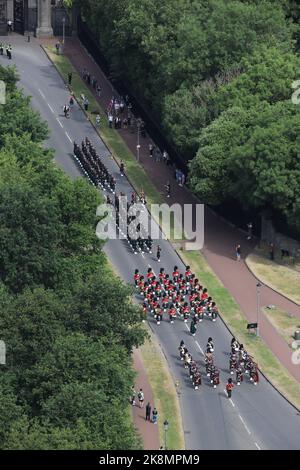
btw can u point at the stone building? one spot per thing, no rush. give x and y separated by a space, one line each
39 17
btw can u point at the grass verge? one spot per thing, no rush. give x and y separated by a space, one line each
280 278
164 391
236 322
285 323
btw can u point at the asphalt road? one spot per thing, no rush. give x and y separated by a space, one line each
256 417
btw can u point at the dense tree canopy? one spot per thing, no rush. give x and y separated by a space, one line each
210 69
68 371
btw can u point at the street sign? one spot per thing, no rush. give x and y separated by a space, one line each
251 326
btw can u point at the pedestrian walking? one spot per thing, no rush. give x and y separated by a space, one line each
110 121
9 26
98 120
141 398
148 412
57 46
66 111
154 416
168 189
271 251
122 168
165 156
98 90
229 387
86 104
70 76
158 253
238 252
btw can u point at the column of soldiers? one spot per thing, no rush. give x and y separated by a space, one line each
139 241
7 48
93 167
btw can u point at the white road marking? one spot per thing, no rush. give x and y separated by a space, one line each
59 122
199 347
152 269
42 94
257 445
245 425
50 107
232 402
143 255
68 137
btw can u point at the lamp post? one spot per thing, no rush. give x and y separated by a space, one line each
166 426
258 286
138 140
64 27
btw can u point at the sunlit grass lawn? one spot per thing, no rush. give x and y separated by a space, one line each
281 278
285 323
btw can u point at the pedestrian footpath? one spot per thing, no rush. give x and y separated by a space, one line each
220 237
147 429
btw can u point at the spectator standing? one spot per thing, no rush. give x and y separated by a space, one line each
168 161
272 250
165 156
133 395
157 154
154 416
98 120
249 227
110 121
86 104
148 412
